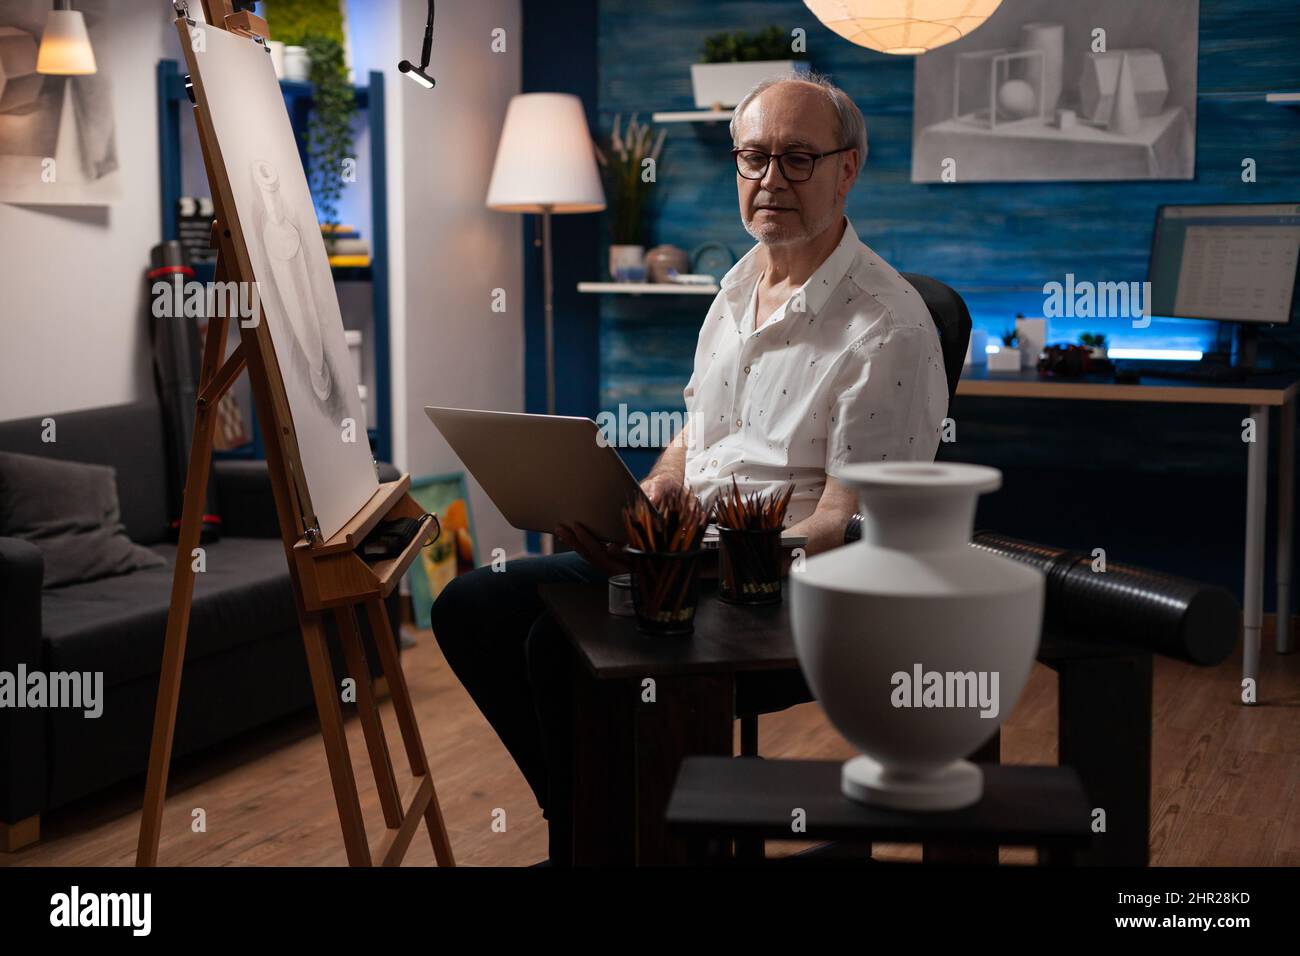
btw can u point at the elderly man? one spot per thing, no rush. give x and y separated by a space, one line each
815 354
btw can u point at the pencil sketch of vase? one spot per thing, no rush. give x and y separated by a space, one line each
260 178
285 251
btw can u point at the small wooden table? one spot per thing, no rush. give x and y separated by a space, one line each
1260 394
717 799
631 735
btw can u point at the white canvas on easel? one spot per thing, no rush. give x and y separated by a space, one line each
264 175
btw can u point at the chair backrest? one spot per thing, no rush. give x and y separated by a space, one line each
951 318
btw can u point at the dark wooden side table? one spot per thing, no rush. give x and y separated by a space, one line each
717 799
642 703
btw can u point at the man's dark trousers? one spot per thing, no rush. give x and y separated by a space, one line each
511 656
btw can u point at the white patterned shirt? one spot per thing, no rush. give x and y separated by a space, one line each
848 370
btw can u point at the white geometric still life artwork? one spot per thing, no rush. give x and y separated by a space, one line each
236 84
1048 90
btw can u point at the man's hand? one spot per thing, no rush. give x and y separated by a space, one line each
657 486
605 556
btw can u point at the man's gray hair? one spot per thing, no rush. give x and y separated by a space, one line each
853 128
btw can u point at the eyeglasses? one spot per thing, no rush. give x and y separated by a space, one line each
796 167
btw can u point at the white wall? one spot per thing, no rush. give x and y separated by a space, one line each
454 348
72 327
72 289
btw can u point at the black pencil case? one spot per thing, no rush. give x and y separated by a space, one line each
390 538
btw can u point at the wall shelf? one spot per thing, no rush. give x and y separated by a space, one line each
353 273
646 288
1281 97
693 116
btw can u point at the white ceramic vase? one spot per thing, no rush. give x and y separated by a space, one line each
1031 339
297 64
916 644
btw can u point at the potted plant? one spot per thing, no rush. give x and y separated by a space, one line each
1007 358
623 160
735 62
318 30
1095 343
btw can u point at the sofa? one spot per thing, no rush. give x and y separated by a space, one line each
244 665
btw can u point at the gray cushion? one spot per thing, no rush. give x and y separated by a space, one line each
69 510
129 438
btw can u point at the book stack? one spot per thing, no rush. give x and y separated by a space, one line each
347 249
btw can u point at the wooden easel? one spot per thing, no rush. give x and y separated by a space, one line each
326 575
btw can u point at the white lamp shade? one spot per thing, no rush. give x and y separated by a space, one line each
545 158
902 26
65 45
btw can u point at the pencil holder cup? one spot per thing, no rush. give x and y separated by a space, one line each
749 566
665 590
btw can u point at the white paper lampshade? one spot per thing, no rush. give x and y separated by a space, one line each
545 158
65 45
902 26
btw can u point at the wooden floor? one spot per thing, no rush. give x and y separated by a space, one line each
1225 779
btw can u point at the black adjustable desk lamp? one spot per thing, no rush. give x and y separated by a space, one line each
418 73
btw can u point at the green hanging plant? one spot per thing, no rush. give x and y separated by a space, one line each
772 43
329 127
295 21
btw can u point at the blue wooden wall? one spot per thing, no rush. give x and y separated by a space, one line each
1157 486
997 243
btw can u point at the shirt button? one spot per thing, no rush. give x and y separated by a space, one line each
746 369
738 422
714 463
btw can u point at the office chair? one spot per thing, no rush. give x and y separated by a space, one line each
766 693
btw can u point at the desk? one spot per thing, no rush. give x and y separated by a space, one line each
627 749
1260 394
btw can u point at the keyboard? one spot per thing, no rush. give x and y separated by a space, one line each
1191 373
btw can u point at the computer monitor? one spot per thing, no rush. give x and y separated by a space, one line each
1233 263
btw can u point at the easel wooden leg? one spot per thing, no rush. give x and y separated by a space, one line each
382 632
372 724
178 617
336 742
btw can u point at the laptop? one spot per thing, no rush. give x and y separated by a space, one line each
545 470
542 470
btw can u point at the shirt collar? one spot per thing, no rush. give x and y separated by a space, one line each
738 284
